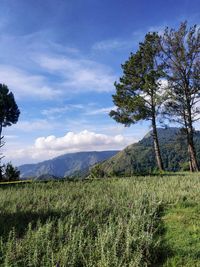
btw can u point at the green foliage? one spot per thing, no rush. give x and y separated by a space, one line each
184 166
9 111
173 57
137 94
11 173
96 172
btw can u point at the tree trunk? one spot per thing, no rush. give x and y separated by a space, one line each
190 138
156 145
191 150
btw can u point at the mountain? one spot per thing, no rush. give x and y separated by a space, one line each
140 157
73 164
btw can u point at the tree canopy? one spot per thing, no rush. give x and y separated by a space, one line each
9 111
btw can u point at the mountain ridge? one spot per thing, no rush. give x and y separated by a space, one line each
135 158
69 164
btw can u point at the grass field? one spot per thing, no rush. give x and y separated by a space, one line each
138 221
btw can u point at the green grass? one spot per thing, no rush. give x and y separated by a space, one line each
183 235
138 221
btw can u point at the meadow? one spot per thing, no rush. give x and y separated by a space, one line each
115 222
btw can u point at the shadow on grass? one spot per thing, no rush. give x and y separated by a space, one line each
163 254
20 221
163 251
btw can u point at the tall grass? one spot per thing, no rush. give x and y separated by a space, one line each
114 222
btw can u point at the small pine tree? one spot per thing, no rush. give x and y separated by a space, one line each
11 173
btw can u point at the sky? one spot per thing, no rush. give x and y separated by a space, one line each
60 58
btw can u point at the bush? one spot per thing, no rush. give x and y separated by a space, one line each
11 173
184 166
96 172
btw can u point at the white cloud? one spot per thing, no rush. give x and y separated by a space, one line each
51 146
53 111
34 125
111 44
24 84
35 66
11 136
130 42
79 74
100 111
159 29
88 110
59 110
77 141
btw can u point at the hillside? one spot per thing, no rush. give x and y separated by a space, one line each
140 158
65 165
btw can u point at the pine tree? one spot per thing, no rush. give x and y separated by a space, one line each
11 173
181 55
139 91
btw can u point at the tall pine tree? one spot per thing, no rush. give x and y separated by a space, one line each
181 55
139 91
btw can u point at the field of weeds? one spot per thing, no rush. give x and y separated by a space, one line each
137 221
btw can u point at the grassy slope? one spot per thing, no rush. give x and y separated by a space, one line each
114 222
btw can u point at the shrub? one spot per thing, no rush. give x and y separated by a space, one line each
11 173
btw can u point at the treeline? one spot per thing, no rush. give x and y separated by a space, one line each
161 84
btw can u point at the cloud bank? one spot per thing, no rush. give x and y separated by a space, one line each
52 146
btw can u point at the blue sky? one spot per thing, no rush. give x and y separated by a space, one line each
61 58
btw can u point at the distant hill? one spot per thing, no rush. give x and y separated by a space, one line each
73 164
140 157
